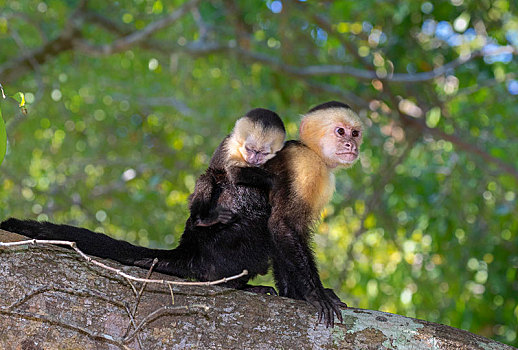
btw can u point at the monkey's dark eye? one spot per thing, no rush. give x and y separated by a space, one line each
355 133
340 131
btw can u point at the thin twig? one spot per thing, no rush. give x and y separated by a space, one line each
138 296
172 294
150 271
134 323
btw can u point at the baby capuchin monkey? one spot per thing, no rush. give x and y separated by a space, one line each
256 138
330 138
227 230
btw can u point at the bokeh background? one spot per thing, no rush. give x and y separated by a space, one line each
127 101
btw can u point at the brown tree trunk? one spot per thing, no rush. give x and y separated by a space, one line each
53 299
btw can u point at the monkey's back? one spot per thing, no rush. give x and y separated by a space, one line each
224 250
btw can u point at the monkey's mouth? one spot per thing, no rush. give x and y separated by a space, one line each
347 156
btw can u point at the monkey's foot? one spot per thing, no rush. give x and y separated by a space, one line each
334 298
326 305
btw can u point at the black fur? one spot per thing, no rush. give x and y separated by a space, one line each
227 230
330 104
266 118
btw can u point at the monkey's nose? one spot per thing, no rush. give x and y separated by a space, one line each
350 146
253 159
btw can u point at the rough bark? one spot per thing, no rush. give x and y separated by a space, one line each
53 299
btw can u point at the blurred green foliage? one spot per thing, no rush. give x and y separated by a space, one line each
3 138
425 226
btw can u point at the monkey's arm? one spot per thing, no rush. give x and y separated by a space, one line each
251 177
203 203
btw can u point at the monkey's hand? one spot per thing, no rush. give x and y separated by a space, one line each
225 216
326 306
252 177
220 216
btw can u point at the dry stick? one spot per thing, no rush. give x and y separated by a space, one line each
132 322
155 261
138 296
127 280
119 272
172 294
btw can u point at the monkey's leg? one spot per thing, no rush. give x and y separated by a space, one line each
292 250
200 201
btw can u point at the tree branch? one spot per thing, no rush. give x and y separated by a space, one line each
136 37
82 320
13 69
327 70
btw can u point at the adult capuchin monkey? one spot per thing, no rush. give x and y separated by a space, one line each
330 138
227 230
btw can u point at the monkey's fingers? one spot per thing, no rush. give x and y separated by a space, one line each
326 314
338 312
320 315
334 298
324 308
320 309
330 317
341 304
331 312
201 223
226 216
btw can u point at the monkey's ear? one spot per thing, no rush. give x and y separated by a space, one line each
302 126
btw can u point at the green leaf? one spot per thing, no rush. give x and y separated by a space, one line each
20 98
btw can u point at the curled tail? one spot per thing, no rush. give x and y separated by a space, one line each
171 262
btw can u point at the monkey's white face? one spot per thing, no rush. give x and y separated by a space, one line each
334 133
256 154
255 143
343 146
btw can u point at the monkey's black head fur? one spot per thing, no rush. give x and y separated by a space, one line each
269 119
330 104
